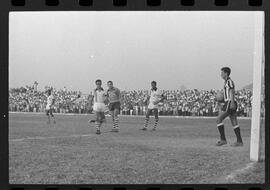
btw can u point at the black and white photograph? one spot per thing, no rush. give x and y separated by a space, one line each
136 97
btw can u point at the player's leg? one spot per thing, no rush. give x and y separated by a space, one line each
48 115
156 119
111 109
147 117
52 116
116 118
220 125
116 113
102 117
98 122
236 129
113 121
92 121
103 109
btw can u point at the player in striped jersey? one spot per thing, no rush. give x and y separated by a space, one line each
99 106
229 109
114 96
156 96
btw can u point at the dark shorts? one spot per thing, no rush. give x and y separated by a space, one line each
226 108
114 105
49 112
152 111
100 116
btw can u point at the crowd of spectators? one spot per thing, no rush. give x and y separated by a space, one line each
185 103
27 99
177 102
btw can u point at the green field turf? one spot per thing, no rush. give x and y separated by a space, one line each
181 151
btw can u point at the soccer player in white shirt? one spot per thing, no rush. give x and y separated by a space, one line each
155 97
49 107
99 106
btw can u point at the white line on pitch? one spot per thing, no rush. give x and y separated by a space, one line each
239 171
138 116
44 138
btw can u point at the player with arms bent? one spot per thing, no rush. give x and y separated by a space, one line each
49 107
229 109
156 96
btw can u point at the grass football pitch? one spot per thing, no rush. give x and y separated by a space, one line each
180 151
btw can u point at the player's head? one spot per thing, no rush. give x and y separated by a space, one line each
98 83
154 84
49 92
110 84
225 72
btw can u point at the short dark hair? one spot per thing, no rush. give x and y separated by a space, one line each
98 80
110 81
226 70
154 82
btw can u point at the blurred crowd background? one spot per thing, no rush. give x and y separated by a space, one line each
188 102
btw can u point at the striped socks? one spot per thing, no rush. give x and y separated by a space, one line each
113 121
116 122
98 124
146 122
156 122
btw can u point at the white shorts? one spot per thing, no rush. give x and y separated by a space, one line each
48 107
99 107
152 106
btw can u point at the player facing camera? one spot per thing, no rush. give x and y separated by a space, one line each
99 106
113 98
155 97
49 106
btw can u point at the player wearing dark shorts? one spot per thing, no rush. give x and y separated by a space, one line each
229 109
226 107
114 106
113 95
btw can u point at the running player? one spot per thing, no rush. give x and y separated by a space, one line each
99 106
113 95
156 96
229 109
49 107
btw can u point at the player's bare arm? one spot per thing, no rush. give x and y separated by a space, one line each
232 106
118 93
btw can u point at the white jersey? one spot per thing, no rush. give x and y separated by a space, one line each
99 96
99 99
155 97
50 100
